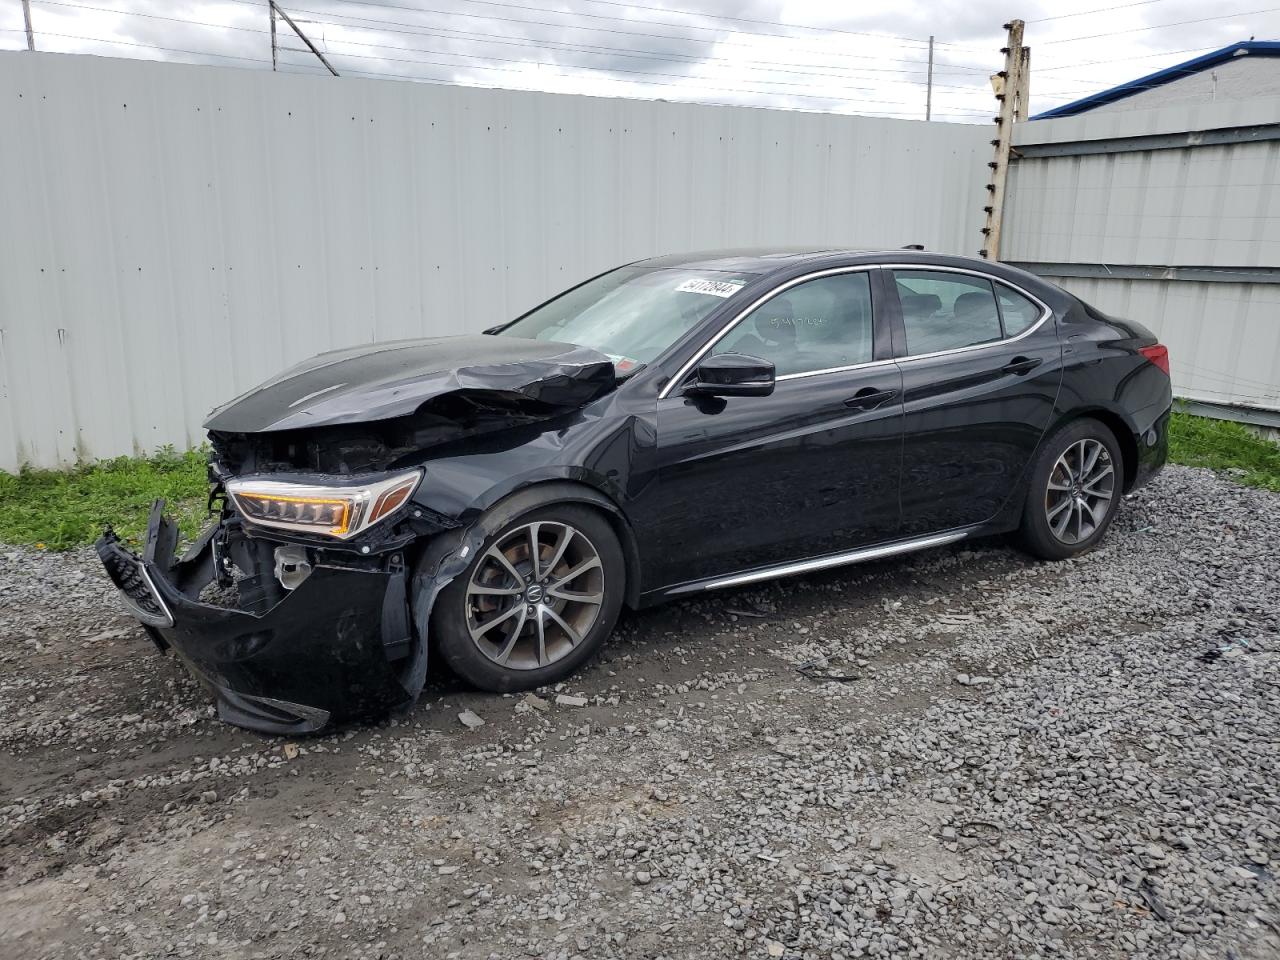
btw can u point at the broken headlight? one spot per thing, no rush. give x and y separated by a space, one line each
332 511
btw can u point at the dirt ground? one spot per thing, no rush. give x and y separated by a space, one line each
959 753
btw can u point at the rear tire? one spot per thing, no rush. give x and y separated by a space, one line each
1077 481
510 623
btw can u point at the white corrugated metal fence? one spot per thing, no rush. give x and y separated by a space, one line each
1171 217
171 235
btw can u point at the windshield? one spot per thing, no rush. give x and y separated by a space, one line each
633 313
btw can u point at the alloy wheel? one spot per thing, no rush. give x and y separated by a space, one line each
1081 486
534 595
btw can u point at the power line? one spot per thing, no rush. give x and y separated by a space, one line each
153 46
570 26
1161 26
426 30
835 94
890 114
149 16
1141 56
449 53
506 4
388 26
768 23
1085 13
835 98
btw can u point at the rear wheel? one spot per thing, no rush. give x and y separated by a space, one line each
538 600
1076 485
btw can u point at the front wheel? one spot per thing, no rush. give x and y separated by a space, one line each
540 597
1076 485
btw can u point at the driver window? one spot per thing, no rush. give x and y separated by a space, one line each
817 325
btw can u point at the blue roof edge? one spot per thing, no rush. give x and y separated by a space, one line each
1267 48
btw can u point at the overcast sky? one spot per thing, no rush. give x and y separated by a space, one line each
829 55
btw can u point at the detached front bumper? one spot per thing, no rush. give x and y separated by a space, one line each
334 648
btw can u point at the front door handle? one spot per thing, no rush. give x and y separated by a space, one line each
1021 365
868 398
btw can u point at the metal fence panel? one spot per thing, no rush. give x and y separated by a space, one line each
171 235
1170 217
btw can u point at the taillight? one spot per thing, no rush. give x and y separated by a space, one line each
1159 355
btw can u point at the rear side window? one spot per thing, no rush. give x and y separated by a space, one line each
817 325
1017 312
946 311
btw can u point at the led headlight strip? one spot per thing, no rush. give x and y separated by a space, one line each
332 511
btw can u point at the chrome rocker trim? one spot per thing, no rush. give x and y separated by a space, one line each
822 563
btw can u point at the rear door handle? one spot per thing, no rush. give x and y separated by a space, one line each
868 398
1021 365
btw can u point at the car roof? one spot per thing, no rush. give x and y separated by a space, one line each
766 261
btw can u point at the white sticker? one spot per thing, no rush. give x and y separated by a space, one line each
714 288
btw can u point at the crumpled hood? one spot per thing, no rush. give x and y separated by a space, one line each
386 380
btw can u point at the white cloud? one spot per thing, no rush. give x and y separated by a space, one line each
833 57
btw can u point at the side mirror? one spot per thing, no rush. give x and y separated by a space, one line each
732 375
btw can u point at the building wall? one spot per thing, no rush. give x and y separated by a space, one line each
1170 217
171 235
1244 78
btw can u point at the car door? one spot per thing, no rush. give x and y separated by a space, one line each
811 469
981 366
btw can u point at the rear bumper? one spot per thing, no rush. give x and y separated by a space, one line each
1153 449
277 661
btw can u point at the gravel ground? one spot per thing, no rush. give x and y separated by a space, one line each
1017 760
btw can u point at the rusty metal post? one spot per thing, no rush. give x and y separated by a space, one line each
1006 85
26 18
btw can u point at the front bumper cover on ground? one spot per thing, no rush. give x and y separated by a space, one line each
338 647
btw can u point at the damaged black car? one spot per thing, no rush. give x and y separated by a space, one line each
667 428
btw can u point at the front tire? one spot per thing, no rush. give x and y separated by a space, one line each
1076 486
538 600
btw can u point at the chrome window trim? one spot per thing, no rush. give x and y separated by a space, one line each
1045 310
760 300
817 373
1045 313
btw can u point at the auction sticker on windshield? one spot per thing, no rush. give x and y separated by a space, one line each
714 288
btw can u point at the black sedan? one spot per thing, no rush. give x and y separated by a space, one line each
667 428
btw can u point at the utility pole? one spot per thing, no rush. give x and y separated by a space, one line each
272 8
1010 87
26 16
302 36
928 92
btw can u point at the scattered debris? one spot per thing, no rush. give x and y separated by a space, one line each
1233 648
1149 894
470 720
565 700
812 670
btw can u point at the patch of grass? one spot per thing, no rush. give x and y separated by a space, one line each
1223 445
61 509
